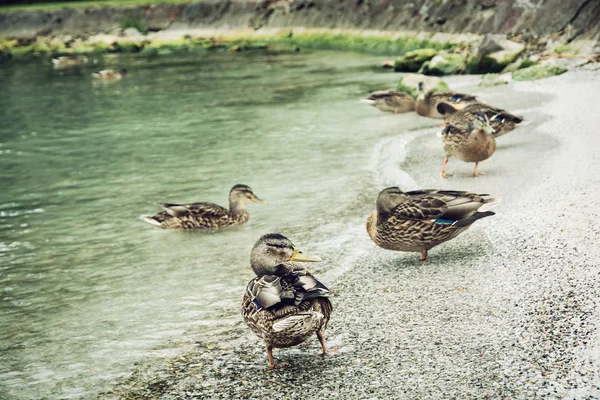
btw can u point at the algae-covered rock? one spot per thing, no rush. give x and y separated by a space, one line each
495 79
401 87
518 64
446 64
537 72
424 68
413 60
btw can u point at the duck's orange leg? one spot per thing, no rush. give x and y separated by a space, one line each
326 351
443 173
272 364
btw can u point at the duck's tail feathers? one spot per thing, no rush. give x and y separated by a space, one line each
149 219
367 101
469 220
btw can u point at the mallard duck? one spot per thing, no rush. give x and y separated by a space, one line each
501 120
206 215
391 100
468 137
422 219
427 103
284 305
68 62
110 74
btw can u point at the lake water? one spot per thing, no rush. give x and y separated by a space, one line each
86 288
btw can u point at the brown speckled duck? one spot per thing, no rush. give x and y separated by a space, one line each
500 120
391 101
427 103
206 215
468 137
110 74
284 305
419 220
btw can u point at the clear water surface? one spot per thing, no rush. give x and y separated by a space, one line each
86 288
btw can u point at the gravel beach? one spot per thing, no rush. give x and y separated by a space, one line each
508 310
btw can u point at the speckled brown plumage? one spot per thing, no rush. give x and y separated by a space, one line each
284 304
422 219
468 137
501 120
392 101
296 323
206 215
427 103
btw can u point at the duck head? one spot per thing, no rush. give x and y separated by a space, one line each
271 251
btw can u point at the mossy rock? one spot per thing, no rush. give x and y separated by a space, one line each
413 60
401 87
537 72
446 64
440 86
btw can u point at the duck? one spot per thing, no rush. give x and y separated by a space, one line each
468 137
206 215
110 74
419 220
500 120
391 101
426 104
284 304
68 62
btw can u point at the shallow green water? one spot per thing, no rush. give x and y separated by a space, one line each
86 288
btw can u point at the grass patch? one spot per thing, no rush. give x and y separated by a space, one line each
357 42
134 21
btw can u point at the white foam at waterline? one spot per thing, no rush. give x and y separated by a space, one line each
387 157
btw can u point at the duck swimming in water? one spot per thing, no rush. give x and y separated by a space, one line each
206 215
284 305
391 101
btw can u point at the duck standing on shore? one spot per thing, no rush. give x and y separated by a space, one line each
284 305
426 104
500 120
420 220
468 137
206 215
391 101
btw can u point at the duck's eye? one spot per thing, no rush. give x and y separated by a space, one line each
278 245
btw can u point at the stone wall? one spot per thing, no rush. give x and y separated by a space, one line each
529 18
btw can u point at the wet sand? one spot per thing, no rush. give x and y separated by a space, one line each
509 309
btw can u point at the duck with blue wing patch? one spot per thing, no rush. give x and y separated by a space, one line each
427 104
420 220
500 120
284 305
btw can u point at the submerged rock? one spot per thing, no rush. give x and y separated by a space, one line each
413 60
538 72
444 64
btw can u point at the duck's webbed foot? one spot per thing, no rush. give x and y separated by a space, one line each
443 173
326 351
475 173
272 364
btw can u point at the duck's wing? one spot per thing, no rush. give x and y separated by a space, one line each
198 210
493 113
445 206
294 287
452 97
